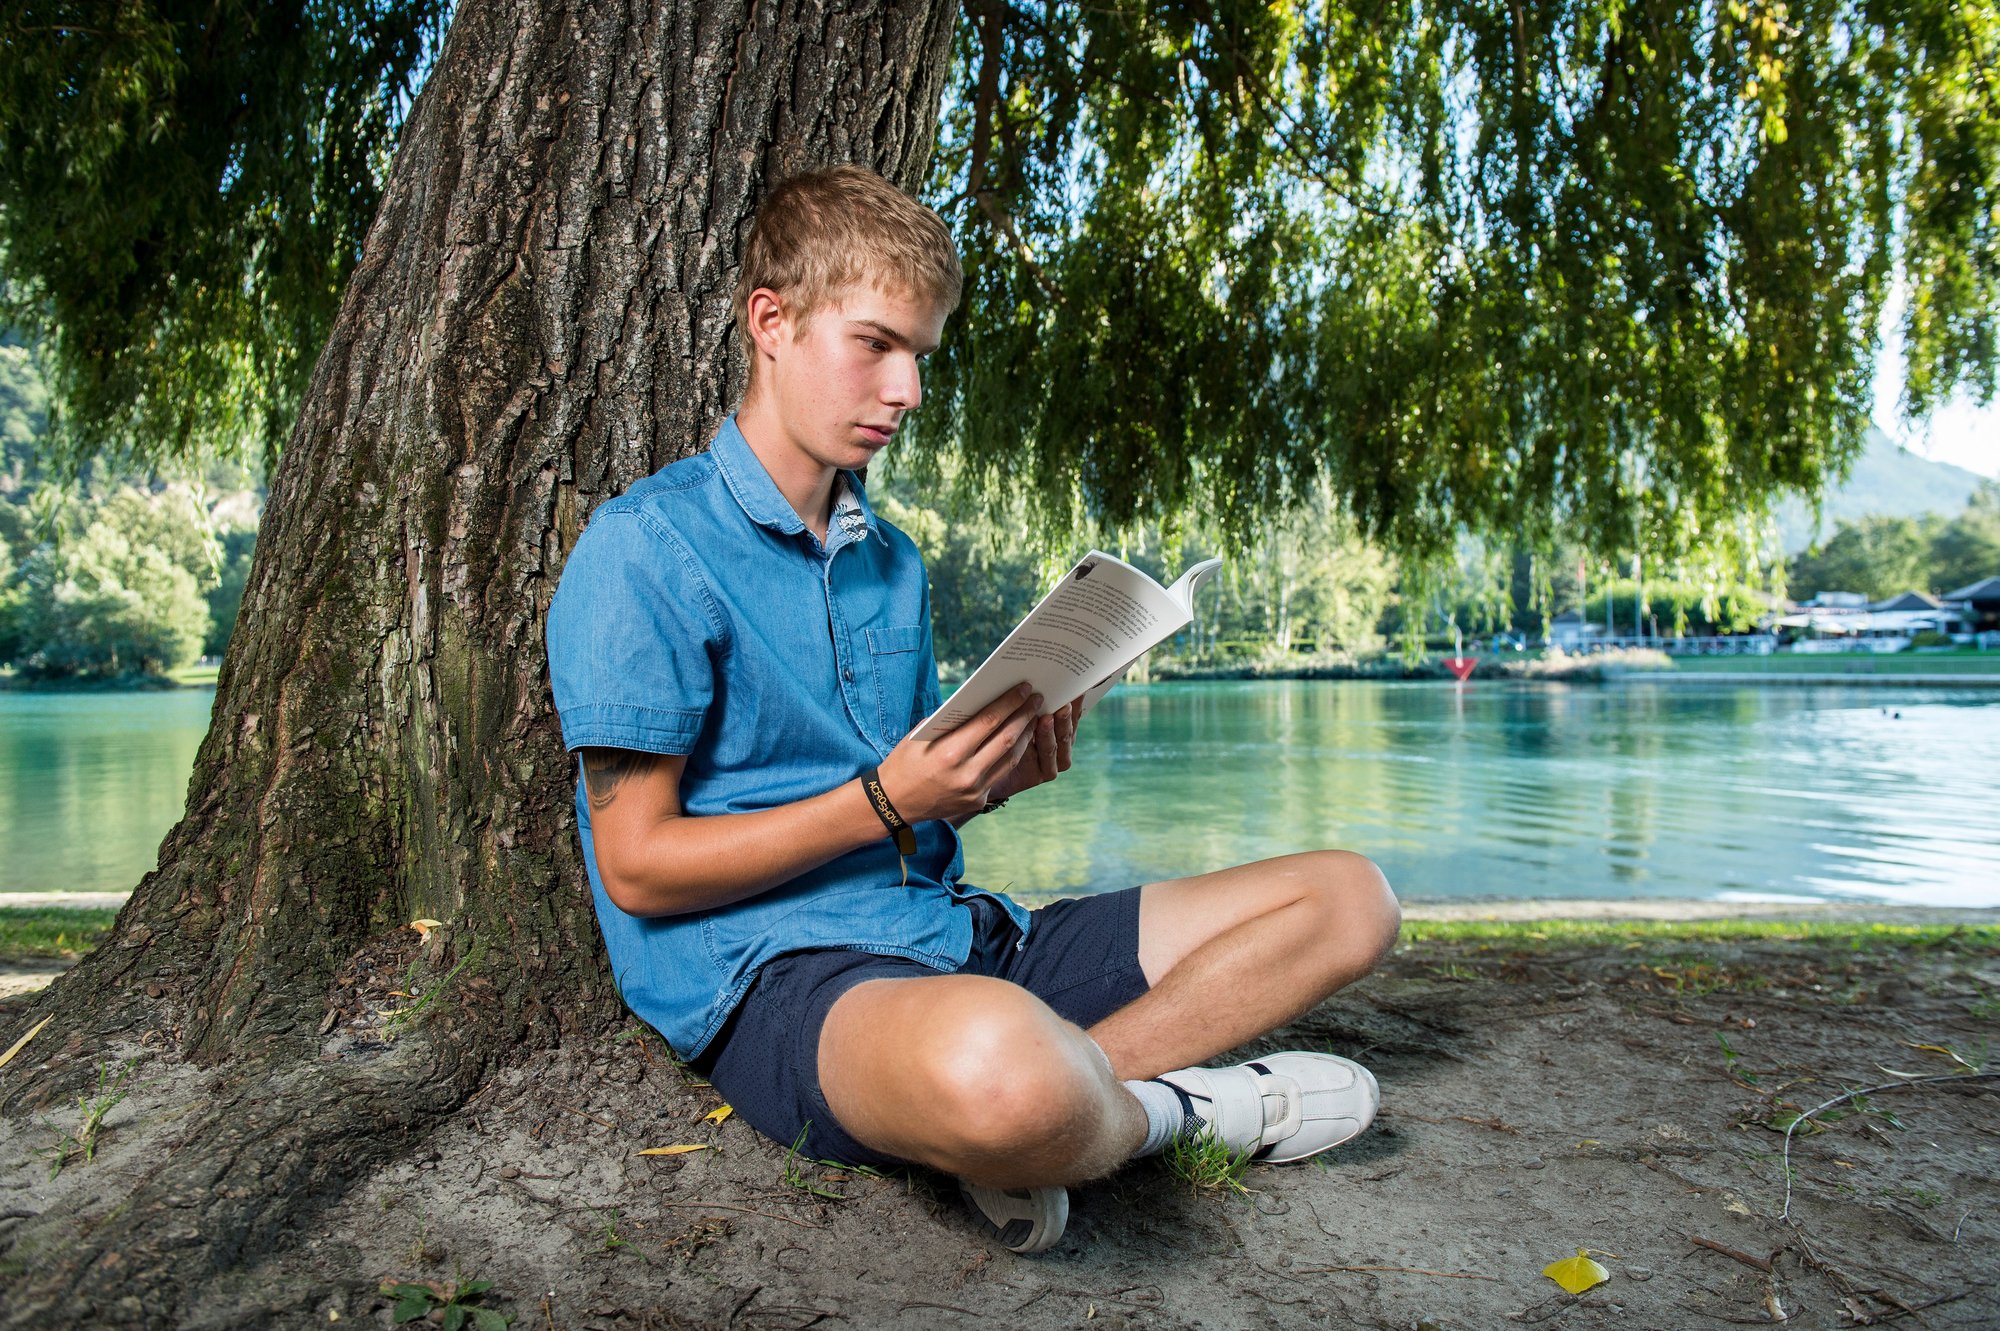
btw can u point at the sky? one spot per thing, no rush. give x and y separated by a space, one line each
1961 432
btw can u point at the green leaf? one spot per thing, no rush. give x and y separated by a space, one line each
413 1306
485 1319
474 1287
454 1316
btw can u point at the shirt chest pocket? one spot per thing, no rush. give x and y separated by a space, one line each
897 659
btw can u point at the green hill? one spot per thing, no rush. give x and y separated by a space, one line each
1887 480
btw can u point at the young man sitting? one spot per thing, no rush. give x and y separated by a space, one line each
739 648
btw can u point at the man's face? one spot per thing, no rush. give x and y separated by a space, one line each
843 382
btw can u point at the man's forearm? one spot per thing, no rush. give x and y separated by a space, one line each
688 863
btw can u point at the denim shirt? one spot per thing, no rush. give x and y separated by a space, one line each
698 615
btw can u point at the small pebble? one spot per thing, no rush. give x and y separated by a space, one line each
1639 1272
510 1171
1534 1162
1504 1192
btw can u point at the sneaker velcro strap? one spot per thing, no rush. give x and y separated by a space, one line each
1283 1105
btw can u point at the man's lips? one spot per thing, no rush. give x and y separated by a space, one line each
877 434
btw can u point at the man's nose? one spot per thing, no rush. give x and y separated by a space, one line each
904 387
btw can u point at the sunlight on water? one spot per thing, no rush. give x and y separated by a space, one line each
1682 790
1527 791
90 783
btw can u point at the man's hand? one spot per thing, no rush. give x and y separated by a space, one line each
1046 757
954 775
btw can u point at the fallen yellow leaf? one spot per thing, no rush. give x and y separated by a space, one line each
1577 1274
677 1150
1942 1052
22 1043
718 1115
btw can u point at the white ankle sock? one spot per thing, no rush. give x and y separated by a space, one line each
1166 1116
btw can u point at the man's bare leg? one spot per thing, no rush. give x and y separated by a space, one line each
1235 953
976 1077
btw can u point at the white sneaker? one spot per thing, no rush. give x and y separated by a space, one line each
1025 1220
1281 1107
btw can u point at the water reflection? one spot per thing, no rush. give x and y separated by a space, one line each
1494 790
91 782
1522 790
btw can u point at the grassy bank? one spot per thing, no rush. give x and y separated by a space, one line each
51 933
1853 935
66 933
1792 663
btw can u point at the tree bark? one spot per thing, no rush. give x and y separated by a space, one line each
541 317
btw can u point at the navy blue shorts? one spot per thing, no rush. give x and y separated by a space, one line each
1081 957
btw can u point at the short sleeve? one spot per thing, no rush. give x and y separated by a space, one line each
633 638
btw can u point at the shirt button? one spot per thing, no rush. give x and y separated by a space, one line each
847 675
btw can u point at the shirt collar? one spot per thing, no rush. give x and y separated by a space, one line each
767 506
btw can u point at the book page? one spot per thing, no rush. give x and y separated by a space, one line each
1101 617
1183 592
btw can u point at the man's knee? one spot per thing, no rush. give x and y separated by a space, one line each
1359 914
1006 1072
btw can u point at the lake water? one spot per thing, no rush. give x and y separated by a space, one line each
1628 790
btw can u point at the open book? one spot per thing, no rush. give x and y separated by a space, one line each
1080 640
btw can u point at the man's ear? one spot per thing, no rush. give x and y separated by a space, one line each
770 323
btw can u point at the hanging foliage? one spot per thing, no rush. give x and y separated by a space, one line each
1595 271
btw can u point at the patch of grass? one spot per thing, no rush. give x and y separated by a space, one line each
421 1251
1730 1058
82 1142
51 933
1205 1164
608 1238
1550 935
795 1174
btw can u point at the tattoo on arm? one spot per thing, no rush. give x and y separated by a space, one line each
604 770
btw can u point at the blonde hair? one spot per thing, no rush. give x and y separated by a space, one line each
823 230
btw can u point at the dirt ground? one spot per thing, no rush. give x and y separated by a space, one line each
1537 1100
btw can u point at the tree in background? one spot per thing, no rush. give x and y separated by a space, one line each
225 598
1966 549
1676 607
184 189
1875 556
1304 578
120 593
1882 556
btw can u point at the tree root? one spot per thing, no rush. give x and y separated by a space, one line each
281 1146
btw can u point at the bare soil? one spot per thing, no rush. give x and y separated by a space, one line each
1536 1102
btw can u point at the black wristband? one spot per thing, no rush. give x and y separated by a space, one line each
899 827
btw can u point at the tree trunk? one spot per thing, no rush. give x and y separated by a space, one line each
542 317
